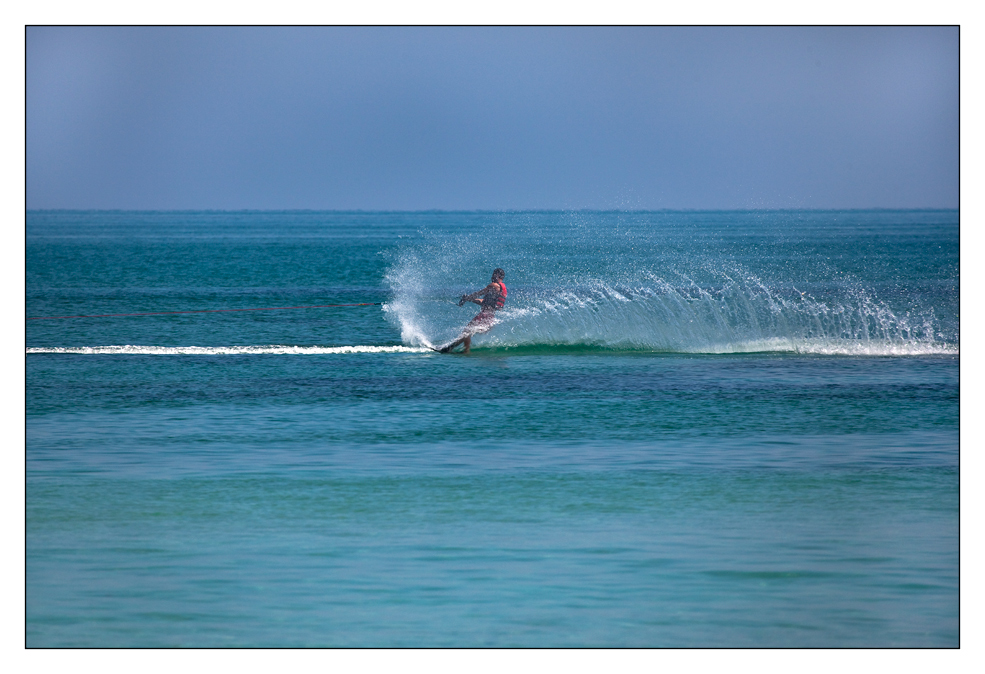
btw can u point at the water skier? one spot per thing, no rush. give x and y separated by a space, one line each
493 297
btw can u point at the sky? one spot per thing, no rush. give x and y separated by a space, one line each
491 118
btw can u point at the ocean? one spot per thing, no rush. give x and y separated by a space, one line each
686 429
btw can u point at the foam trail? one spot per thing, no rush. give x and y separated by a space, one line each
222 350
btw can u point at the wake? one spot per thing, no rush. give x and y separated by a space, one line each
223 350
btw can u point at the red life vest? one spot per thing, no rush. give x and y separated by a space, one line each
501 300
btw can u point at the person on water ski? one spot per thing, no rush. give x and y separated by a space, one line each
493 296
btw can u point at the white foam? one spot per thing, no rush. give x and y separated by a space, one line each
130 349
833 347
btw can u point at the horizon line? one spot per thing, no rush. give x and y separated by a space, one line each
485 210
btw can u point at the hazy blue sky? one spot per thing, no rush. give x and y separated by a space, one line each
491 118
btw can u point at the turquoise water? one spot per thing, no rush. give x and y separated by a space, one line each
686 429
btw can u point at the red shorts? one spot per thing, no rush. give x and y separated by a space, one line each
483 322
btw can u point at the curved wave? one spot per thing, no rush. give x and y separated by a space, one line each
820 348
738 317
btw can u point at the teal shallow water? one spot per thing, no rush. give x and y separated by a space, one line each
690 429
541 559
